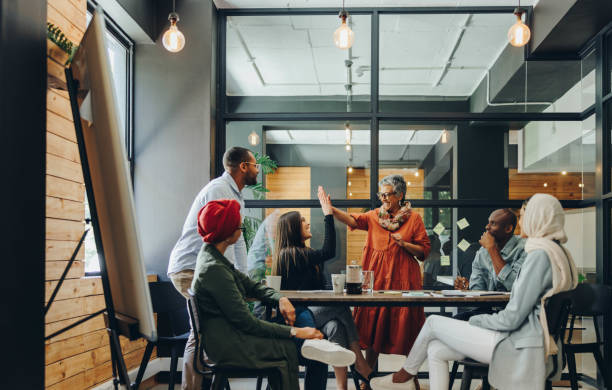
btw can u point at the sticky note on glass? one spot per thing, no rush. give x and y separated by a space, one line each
463 245
444 260
439 228
463 223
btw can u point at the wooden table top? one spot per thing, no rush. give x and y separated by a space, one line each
393 298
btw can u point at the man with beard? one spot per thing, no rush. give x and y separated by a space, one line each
241 169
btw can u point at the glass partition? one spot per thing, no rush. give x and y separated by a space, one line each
335 155
289 63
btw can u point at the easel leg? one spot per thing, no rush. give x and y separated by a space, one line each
119 368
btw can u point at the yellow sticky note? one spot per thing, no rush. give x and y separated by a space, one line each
463 223
439 228
444 260
463 245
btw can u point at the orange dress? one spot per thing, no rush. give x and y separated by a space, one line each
391 329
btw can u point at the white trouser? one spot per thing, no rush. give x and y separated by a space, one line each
440 340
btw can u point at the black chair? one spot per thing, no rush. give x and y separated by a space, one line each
221 374
557 313
172 327
588 300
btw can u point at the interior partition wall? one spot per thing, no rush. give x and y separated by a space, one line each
434 94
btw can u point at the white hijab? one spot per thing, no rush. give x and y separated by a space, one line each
544 222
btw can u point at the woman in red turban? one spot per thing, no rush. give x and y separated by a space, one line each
231 334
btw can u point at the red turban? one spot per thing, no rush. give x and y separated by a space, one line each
218 220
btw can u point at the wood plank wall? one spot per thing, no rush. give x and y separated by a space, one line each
79 358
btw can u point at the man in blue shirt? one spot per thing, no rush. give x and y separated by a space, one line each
497 263
241 170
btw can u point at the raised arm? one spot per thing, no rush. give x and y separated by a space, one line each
340 215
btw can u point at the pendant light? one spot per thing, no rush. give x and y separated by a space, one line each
343 36
253 138
173 40
519 33
444 137
348 135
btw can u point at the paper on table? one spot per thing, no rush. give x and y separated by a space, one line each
461 293
463 223
414 294
444 260
463 245
439 228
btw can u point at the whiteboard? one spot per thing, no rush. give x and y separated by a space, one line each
110 179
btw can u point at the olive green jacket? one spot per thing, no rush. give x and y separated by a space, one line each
221 291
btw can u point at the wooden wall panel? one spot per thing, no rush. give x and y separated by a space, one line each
74 288
92 325
65 189
289 183
62 250
63 230
65 169
54 269
75 307
64 209
63 147
60 126
573 185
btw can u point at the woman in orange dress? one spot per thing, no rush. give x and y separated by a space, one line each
396 237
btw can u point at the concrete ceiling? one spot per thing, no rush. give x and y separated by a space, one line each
420 55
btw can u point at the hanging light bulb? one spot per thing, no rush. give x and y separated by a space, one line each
253 138
519 33
343 36
444 137
173 40
348 135
350 169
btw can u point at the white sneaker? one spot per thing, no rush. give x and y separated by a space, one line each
386 383
327 352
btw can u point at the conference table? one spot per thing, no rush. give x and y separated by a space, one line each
424 298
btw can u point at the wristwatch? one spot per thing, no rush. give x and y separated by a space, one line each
293 332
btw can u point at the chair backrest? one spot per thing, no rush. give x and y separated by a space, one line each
591 300
199 357
557 313
169 304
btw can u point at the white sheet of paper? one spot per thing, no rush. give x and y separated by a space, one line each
444 260
463 245
439 228
463 223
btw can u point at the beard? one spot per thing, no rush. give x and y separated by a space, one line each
250 180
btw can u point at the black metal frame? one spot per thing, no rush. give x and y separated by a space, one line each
602 201
374 115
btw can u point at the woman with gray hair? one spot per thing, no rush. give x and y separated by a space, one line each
396 237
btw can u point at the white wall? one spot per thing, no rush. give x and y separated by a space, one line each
580 229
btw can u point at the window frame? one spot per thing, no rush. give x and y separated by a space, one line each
115 30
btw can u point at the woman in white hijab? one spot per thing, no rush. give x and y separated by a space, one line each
514 342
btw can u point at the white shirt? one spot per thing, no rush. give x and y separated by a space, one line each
185 252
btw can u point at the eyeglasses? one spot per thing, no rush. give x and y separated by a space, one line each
385 195
257 166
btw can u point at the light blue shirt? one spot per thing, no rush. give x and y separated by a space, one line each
483 273
185 252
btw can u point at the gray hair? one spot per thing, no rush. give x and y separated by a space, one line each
397 182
